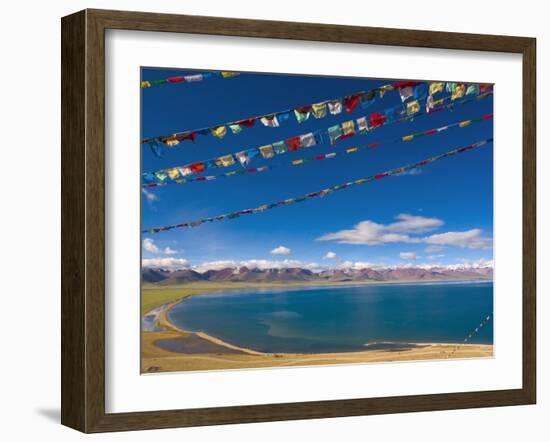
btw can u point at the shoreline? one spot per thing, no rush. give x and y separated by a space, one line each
164 322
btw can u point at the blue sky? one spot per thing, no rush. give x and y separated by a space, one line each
441 214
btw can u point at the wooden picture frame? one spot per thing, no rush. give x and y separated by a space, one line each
83 220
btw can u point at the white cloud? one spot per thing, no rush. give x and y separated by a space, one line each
371 233
432 257
406 229
149 196
471 239
281 250
330 255
165 263
150 246
409 256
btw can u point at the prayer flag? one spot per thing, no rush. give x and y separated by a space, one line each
270 121
267 151
472 89
280 147
229 74
435 87
383 89
185 170
145 84
191 78
377 119
413 107
334 133
450 87
248 122
283 116
293 143
235 128
302 114
173 173
197 167
171 141
367 99
219 131
243 158
362 125
307 140
351 102
156 148
405 92
161 175
319 110
335 107
458 92
175 80
348 129
225 161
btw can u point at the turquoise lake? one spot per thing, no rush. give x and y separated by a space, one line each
343 318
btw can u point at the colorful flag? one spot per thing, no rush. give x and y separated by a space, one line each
429 104
308 140
270 121
161 175
458 92
229 74
367 99
319 110
377 119
351 102
185 170
362 125
413 107
266 151
450 87
335 107
196 77
197 167
472 89
248 122
348 129
334 133
293 143
219 131
156 148
435 87
280 147
405 92
235 128
302 114
225 161
145 84
173 173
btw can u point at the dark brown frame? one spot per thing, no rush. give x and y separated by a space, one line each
83 216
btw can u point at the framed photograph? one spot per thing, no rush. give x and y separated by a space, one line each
268 221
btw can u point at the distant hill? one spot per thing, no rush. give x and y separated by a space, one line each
256 275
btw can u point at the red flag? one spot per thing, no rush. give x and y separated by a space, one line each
377 119
176 80
351 102
400 84
197 167
293 143
247 123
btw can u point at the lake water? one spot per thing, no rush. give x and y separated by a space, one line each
343 318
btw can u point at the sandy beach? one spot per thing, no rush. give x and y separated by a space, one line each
170 348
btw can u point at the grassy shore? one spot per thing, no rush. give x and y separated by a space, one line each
218 357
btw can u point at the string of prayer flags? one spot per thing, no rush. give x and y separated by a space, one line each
320 193
187 78
474 332
302 113
267 152
407 89
334 133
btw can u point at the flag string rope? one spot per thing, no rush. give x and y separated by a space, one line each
319 110
474 332
350 150
191 78
335 133
320 193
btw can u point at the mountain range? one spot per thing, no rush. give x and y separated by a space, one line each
275 275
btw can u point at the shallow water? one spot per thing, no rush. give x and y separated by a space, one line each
343 318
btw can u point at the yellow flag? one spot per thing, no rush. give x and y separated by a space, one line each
436 87
465 123
407 137
173 173
145 84
229 74
219 131
459 92
413 107
171 141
